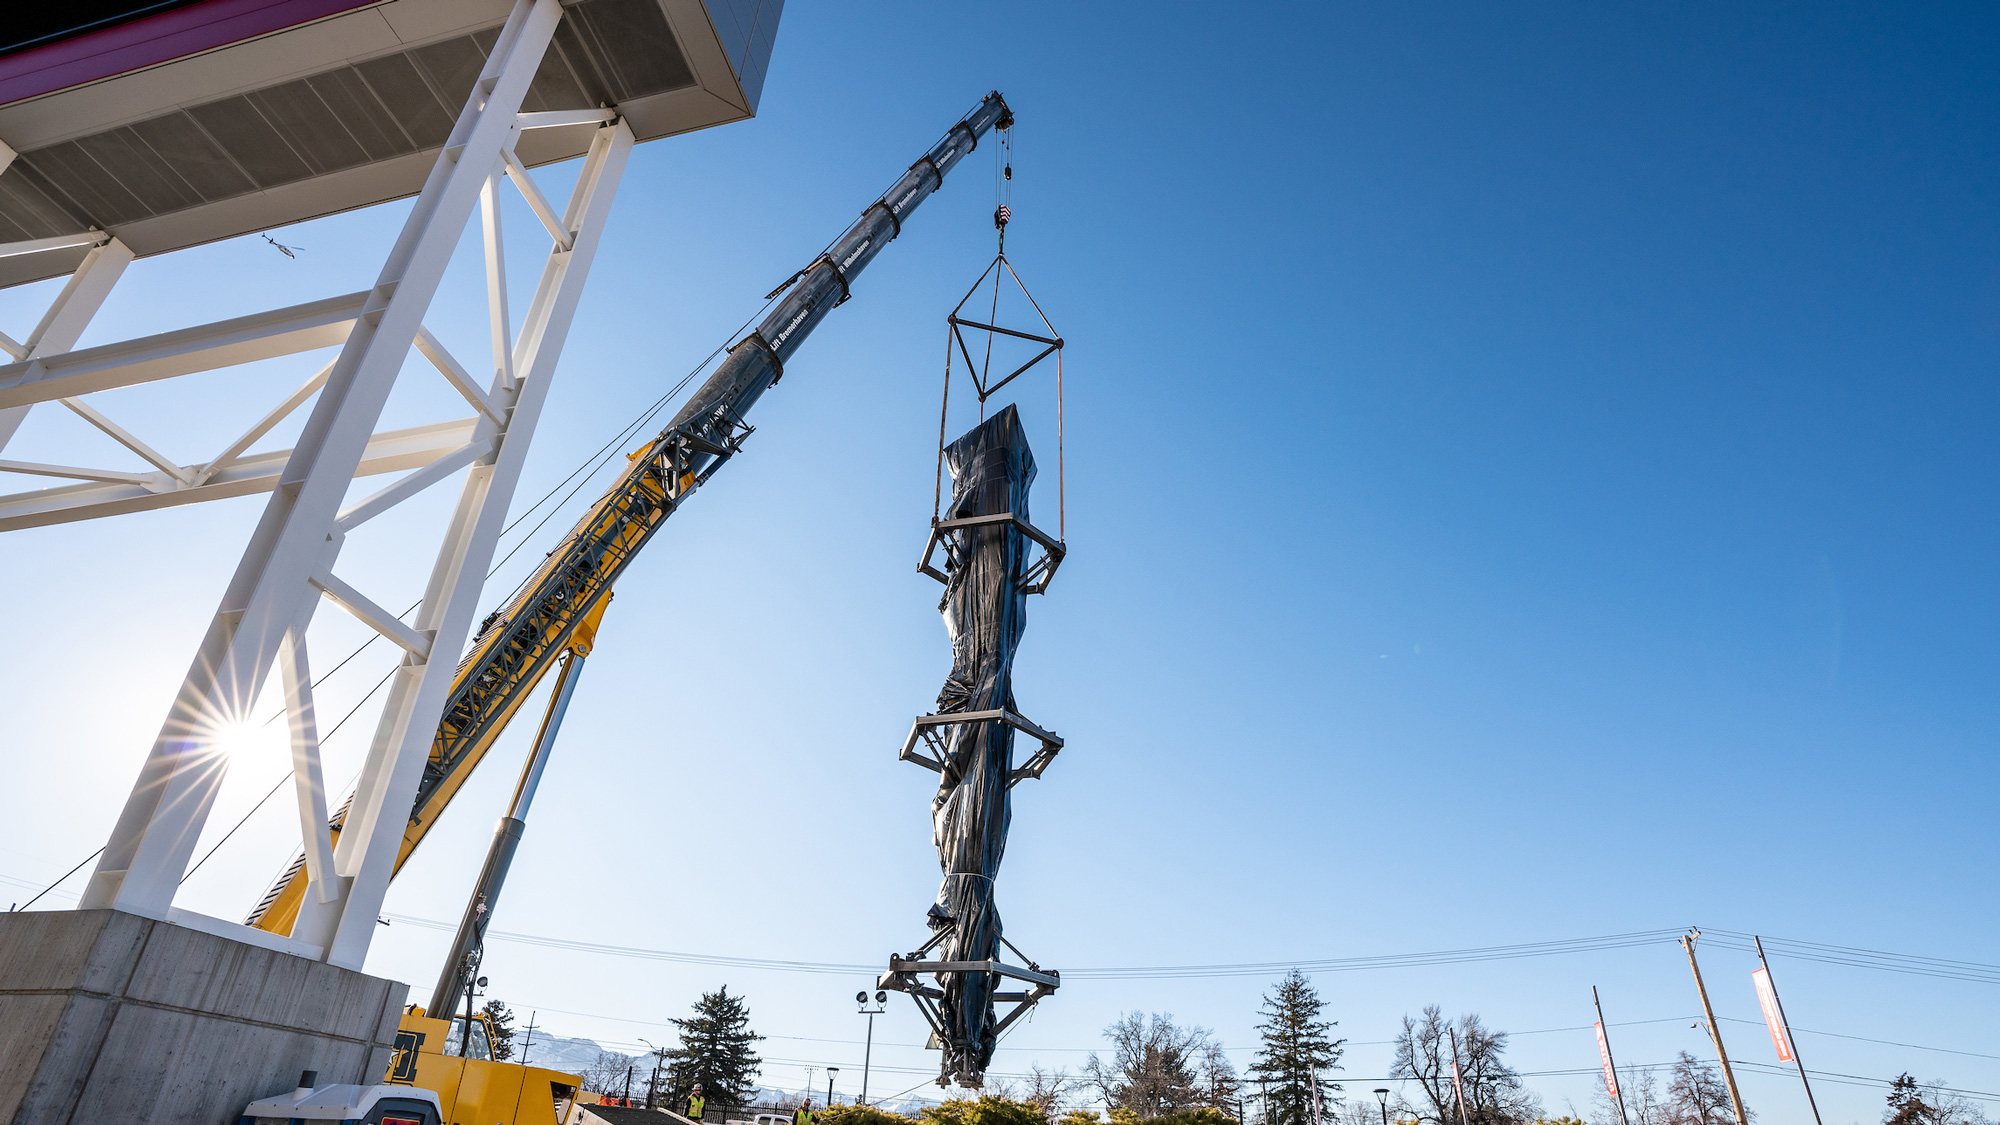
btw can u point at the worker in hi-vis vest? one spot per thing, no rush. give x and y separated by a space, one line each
804 1115
695 1103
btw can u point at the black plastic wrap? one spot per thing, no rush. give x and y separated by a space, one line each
985 611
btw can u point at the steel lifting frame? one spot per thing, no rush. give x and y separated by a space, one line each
926 728
288 566
903 972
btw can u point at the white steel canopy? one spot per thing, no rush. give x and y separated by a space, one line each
165 132
519 70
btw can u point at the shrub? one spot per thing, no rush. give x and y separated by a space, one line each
990 1109
1204 1115
860 1115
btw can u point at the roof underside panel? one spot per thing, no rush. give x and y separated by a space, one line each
362 130
748 28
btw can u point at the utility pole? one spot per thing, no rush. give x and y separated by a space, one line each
1790 1042
653 1083
1610 1068
1714 1031
530 1041
1458 1079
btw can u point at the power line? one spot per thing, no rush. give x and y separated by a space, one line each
1389 961
1910 964
1162 972
1865 1039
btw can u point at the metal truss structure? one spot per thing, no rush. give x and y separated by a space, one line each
288 567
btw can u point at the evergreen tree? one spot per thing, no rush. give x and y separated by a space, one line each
1929 1103
716 1051
1298 1050
501 1017
1906 1103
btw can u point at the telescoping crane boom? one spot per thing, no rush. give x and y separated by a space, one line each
554 616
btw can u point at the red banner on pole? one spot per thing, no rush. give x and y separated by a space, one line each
1767 998
1604 1053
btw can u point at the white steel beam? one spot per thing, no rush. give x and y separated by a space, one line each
392 451
456 375
552 119
501 325
58 242
387 789
537 202
72 472
123 437
63 324
362 511
288 561
316 324
264 425
366 611
308 779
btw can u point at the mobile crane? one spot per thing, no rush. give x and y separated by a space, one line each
552 621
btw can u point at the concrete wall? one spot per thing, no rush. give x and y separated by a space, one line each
110 1017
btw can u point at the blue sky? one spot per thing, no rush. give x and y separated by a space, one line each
1529 476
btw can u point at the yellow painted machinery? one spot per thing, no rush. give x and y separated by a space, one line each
455 1060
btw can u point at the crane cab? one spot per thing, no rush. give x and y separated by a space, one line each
456 1062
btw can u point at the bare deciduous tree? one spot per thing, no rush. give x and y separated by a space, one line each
1157 1067
1644 1104
606 1073
1696 1095
1494 1094
1047 1090
1219 1077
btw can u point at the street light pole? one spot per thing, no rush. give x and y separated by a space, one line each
868 1052
830 1072
653 1083
1382 1095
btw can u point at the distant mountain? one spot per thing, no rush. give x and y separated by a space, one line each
555 1052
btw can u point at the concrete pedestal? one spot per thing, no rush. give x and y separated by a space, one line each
107 1017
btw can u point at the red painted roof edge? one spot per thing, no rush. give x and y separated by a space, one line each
152 40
